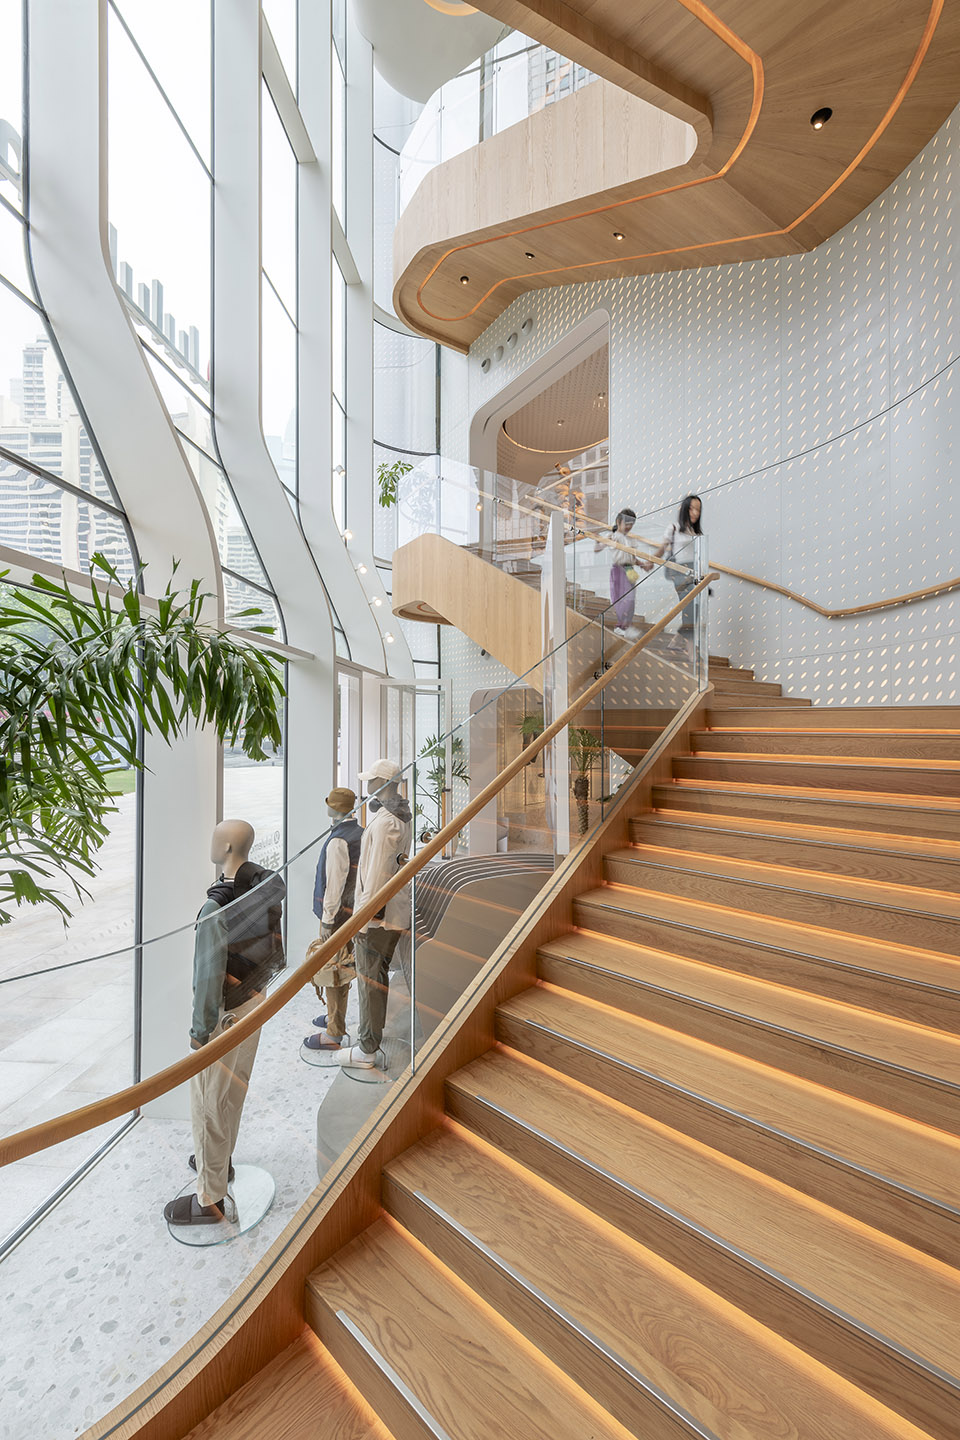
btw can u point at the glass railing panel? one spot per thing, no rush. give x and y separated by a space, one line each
106 1272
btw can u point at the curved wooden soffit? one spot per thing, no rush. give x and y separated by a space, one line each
522 210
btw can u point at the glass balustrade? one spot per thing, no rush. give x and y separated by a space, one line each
118 1286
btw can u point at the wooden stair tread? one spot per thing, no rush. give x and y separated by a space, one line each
919 966
867 892
929 719
858 762
915 846
948 804
907 745
308 1389
460 1359
637 1304
850 1028
866 1135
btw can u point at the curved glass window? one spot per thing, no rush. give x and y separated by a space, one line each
404 390
174 41
11 104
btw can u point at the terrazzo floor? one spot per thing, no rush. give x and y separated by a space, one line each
99 1295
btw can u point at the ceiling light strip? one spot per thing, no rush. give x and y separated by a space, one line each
933 18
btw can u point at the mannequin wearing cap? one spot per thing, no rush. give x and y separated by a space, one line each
332 904
385 847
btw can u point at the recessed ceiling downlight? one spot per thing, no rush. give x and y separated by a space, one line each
819 118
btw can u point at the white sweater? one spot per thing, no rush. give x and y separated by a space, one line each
384 848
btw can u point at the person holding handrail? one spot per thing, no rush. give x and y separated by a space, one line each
623 575
678 547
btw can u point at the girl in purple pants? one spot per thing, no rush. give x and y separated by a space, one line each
622 592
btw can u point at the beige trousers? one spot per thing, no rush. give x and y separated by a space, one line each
216 1104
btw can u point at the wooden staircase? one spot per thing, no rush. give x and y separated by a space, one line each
706 1183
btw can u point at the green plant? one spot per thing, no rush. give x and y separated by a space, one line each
583 747
79 680
431 781
388 481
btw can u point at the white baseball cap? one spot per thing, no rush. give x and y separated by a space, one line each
384 770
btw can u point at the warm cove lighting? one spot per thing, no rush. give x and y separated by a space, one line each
455 8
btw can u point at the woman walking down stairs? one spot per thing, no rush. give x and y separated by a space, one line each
705 1183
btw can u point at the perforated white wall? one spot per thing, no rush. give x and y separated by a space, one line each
812 402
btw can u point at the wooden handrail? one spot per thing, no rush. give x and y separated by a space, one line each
87 1117
583 522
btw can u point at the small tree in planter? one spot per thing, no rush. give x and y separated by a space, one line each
431 781
78 680
583 748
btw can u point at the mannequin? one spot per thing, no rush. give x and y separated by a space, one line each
238 948
333 896
384 848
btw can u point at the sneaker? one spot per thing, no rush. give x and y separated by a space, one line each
619 630
631 633
358 1058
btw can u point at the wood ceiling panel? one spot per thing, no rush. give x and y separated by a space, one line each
748 74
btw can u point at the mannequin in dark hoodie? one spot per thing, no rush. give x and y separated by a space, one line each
238 948
384 848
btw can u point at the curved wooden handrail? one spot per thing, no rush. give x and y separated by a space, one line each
87 1117
602 534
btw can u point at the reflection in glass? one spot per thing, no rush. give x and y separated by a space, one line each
160 205
11 107
175 40
40 519
279 204
279 386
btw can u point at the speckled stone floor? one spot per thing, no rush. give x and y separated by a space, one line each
99 1295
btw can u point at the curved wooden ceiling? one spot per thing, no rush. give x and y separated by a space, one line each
747 75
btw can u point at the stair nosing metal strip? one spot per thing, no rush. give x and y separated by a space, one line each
387 1370
888 1065
746 941
739 1115
566 1318
727 1246
792 890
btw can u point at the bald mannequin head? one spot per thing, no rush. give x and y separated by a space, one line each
230 846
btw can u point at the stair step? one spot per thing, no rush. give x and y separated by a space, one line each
926 718
936 778
915 985
891 913
875 1165
739 682
741 699
924 864
629 1328
302 1383
910 1068
884 744
433 1358
890 815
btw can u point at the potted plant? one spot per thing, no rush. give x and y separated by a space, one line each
431 783
80 680
583 748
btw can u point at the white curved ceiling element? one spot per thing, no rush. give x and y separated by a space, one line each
418 46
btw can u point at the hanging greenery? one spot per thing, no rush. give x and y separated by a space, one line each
79 679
